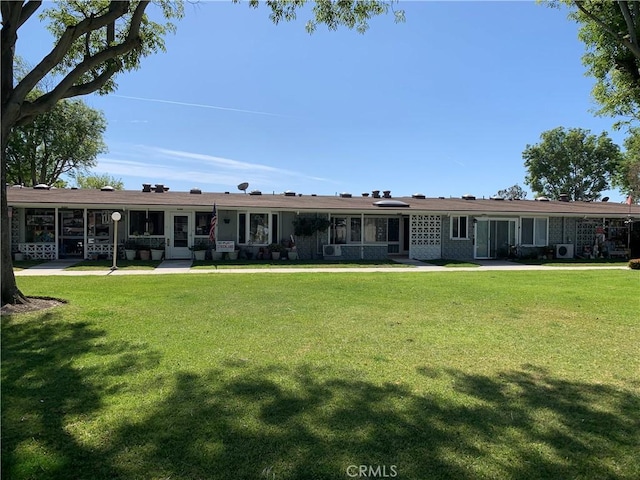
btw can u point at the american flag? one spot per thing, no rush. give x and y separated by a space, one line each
214 221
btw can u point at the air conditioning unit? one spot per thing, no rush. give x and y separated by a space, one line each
564 250
331 250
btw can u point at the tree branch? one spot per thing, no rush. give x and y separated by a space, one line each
66 88
27 10
626 13
71 34
635 49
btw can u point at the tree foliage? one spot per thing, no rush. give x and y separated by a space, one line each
610 31
515 192
572 162
63 141
628 175
96 180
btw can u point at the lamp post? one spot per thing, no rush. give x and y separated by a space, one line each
115 216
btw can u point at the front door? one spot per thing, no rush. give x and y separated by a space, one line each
180 236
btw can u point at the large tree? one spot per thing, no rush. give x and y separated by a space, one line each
98 180
63 141
95 40
514 192
610 30
573 162
628 175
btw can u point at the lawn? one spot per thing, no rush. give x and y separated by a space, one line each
209 264
470 375
576 262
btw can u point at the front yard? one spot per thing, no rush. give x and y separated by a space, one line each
459 375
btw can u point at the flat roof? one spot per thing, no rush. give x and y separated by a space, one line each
130 199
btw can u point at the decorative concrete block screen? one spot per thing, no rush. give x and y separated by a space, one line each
426 237
38 251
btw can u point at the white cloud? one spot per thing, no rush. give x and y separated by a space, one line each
161 165
198 105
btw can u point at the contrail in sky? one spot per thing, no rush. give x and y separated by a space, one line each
198 105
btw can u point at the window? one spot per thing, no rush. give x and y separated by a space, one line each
203 223
459 228
99 223
338 230
375 230
40 226
143 222
533 231
356 230
254 228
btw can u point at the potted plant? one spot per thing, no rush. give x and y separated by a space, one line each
215 255
157 252
292 252
199 250
276 250
234 255
130 248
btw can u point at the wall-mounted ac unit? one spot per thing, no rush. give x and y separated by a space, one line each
564 250
331 250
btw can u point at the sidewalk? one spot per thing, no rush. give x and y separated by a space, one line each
59 267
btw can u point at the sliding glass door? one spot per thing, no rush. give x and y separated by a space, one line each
493 238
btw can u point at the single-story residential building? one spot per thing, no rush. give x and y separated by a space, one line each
67 223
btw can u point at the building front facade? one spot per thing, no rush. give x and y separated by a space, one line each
69 223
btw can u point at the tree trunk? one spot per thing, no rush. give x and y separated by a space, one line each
10 291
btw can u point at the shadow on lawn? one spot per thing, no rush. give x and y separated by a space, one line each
42 389
248 422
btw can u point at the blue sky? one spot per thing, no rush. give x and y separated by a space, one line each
443 104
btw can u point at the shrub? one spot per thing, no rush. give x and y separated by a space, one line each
634 264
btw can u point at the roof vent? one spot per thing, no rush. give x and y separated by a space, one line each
289 193
391 203
195 191
255 192
365 194
375 193
17 186
42 186
345 195
146 187
159 188
496 197
468 196
542 199
418 195
386 194
563 197
107 188
605 199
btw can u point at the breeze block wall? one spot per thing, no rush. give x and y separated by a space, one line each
426 237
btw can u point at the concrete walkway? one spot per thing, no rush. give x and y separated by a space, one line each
59 267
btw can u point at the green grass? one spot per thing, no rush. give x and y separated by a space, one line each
443 262
87 265
576 262
466 375
208 264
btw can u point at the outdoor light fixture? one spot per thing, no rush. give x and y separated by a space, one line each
115 216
